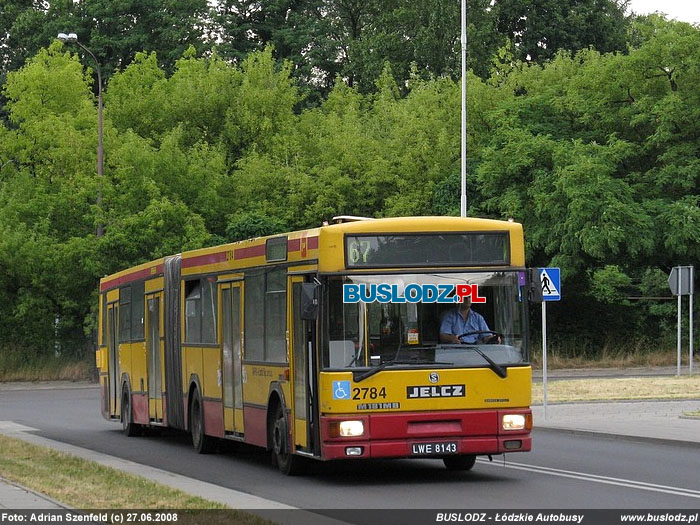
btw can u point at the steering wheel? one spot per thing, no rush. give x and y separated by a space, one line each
493 338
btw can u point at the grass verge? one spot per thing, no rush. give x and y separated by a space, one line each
694 414
628 388
18 366
608 357
83 484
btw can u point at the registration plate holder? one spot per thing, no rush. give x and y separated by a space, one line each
434 448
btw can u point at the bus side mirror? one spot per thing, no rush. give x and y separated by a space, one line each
534 285
309 301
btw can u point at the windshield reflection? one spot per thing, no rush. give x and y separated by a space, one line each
364 335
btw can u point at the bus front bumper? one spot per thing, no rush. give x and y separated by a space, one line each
419 434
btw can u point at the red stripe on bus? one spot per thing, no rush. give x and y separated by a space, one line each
255 424
213 418
139 404
201 260
250 251
293 245
125 279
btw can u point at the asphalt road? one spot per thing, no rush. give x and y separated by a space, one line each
563 471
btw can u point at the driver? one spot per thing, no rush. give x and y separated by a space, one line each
462 319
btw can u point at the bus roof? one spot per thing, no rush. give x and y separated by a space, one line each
304 245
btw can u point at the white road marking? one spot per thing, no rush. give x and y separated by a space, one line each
583 476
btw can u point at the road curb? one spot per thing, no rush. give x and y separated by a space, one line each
620 437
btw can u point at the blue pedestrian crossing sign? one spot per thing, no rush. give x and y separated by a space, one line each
551 284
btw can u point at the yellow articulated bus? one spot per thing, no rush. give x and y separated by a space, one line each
330 343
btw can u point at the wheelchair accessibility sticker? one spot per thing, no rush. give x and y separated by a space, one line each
341 389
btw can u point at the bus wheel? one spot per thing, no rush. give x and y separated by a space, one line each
287 462
127 416
203 444
459 462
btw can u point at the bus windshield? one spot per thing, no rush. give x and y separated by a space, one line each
366 335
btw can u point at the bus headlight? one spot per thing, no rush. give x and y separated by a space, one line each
351 428
513 422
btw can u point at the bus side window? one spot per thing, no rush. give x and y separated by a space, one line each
193 311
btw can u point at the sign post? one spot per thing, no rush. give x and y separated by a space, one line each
678 339
681 281
544 357
551 291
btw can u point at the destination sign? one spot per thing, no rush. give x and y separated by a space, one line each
429 249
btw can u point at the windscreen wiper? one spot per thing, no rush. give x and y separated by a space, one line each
499 370
358 376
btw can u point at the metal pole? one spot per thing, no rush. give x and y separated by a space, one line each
690 322
463 207
100 147
544 356
678 342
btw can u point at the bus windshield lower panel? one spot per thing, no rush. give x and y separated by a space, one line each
366 335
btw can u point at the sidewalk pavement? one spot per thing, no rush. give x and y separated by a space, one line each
15 497
651 420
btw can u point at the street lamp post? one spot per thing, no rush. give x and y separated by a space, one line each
72 38
463 203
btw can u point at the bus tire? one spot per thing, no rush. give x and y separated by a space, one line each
202 443
287 463
129 428
463 463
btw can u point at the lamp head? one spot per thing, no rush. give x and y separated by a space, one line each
70 37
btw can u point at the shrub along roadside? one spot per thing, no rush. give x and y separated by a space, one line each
18 365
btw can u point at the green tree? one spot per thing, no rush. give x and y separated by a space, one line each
27 26
47 201
247 225
541 28
115 30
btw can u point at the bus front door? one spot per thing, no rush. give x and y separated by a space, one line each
232 353
301 358
155 357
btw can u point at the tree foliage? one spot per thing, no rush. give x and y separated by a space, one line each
595 153
541 28
321 39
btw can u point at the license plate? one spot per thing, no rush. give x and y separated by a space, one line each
434 449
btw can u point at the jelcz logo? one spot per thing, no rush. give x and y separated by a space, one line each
418 392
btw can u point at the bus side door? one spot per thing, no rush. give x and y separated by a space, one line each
113 358
155 349
232 354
